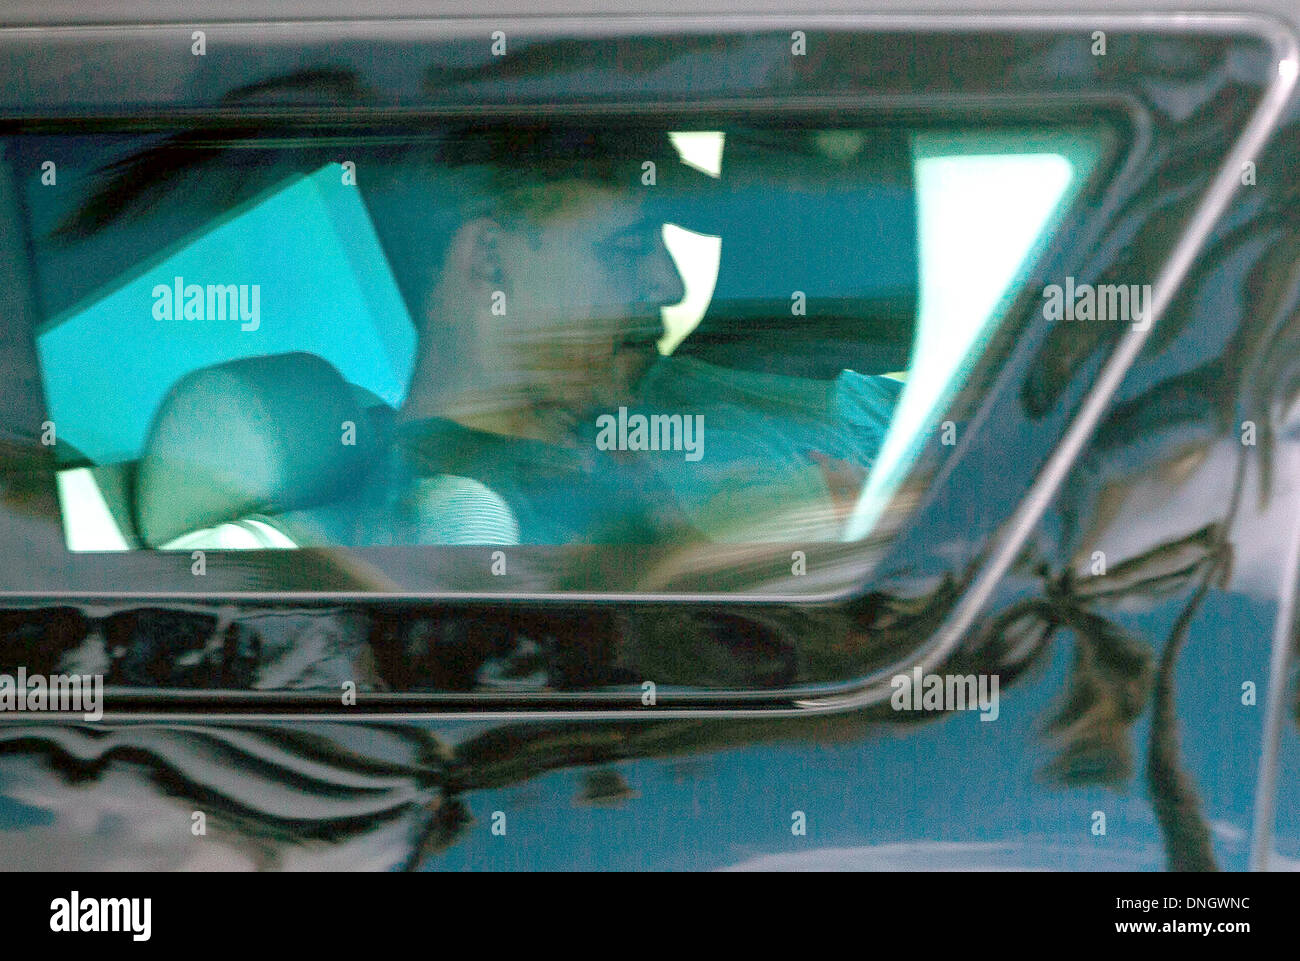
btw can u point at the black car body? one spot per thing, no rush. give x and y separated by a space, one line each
1114 535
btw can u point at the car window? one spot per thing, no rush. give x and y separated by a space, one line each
987 206
728 362
528 334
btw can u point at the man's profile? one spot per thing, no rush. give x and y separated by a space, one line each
538 321
542 310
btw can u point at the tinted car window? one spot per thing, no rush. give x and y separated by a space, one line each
518 334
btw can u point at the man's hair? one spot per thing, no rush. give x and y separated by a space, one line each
519 163
505 170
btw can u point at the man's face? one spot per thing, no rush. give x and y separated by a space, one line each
584 286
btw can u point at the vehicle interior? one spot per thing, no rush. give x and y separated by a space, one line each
209 433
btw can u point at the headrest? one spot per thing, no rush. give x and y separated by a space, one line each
259 435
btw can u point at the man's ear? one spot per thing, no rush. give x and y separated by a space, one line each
476 253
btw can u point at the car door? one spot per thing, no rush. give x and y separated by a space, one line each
1081 255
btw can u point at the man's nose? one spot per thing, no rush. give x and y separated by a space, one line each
663 281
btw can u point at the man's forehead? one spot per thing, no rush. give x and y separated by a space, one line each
586 203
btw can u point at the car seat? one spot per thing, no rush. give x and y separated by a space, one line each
257 452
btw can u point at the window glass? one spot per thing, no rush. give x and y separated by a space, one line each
987 204
518 334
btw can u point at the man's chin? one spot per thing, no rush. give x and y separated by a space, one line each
559 422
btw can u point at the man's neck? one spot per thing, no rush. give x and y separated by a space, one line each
485 410
475 395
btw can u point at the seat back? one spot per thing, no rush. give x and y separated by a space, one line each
256 437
